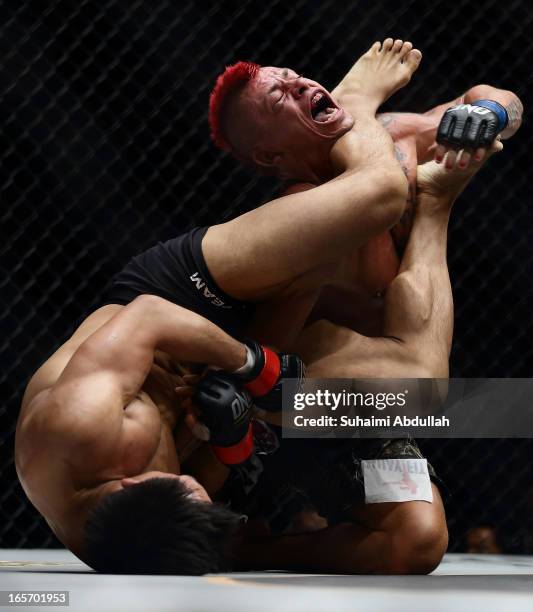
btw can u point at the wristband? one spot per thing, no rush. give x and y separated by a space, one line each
238 453
268 376
498 109
247 367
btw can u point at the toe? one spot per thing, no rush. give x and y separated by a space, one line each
397 46
375 48
412 59
387 44
406 47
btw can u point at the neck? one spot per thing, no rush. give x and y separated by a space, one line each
311 168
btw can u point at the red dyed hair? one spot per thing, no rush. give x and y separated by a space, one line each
231 79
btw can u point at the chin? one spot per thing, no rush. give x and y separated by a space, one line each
339 128
346 124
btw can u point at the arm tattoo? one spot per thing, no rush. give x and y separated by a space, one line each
385 120
400 156
401 231
514 112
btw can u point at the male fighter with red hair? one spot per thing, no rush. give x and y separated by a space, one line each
94 447
94 436
284 124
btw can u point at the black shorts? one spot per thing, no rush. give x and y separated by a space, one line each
322 474
176 270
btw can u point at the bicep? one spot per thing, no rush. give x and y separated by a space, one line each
89 413
118 355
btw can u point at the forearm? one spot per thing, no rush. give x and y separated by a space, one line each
509 100
366 146
419 302
185 335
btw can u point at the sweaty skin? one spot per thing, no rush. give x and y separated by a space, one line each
362 276
395 538
92 420
99 414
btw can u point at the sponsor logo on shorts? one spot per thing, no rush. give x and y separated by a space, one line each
200 284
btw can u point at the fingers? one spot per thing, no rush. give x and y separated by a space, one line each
440 152
495 147
451 157
198 429
479 154
191 379
462 158
184 392
466 156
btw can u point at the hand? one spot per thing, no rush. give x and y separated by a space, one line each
225 411
269 369
469 128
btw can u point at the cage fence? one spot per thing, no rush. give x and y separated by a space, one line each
105 151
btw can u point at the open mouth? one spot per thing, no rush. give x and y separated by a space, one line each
323 108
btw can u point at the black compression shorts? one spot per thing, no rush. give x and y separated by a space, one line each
323 474
176 270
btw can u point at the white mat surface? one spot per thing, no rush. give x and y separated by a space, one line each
461 583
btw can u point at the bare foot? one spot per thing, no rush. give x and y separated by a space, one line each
380 72
305 522
446 185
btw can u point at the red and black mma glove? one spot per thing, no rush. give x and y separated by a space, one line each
264 372
225 409
472 125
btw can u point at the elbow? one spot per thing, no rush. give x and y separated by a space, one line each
393 194
145 302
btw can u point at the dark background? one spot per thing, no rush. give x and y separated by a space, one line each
105 150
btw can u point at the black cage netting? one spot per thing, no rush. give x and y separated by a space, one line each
105 150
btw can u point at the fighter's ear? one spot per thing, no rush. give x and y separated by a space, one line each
129 482
269 161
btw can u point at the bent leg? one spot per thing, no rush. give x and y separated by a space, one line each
418 323
389 538
255 254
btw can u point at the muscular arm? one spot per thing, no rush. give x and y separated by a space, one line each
509 100
108 369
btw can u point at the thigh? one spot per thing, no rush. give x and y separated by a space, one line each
404 517
255 254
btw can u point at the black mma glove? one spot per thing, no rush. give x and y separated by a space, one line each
472 125
226 412
268 369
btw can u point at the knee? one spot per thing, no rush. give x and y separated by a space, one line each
419 547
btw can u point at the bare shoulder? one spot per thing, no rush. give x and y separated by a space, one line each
48 373
71 412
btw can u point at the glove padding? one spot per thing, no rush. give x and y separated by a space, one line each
225 409
472 125
263 382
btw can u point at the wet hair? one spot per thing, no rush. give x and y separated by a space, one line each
154 527
231 81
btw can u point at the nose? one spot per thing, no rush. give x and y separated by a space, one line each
298 88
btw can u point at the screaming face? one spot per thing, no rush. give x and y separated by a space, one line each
297 122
